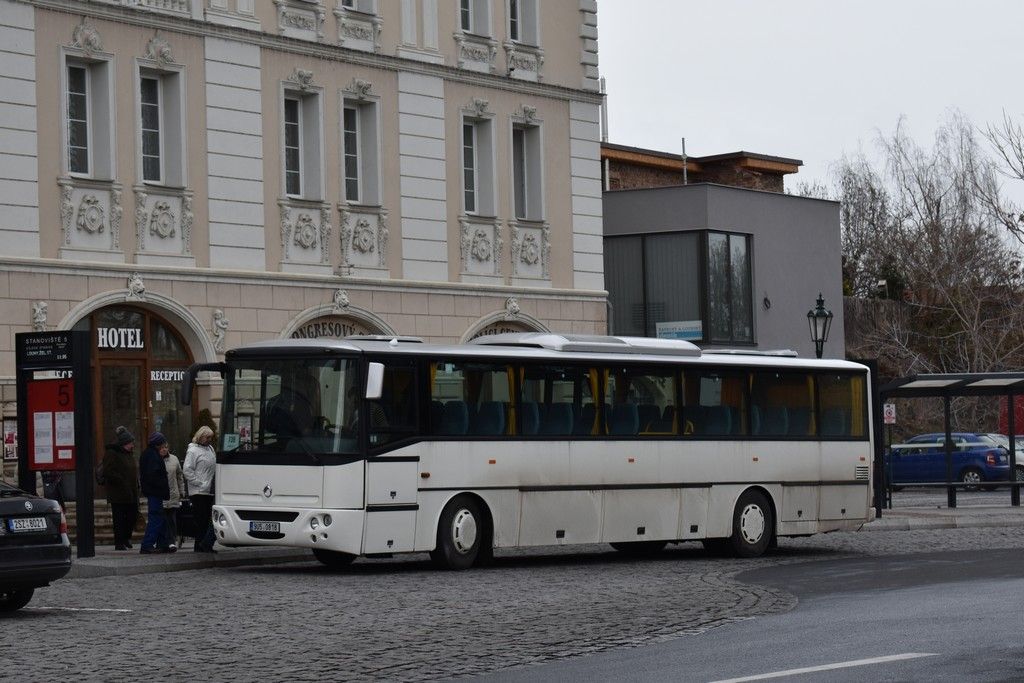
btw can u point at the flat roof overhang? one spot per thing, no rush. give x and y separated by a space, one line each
955 384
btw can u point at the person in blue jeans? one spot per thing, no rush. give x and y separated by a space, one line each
153 477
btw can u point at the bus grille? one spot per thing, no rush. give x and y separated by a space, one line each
266 515
861 474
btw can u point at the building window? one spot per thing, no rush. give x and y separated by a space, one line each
364 6
469 166
303 145
526 173
522 21
152 144
475 17
685 285
360 175
351 154
78 119
292 148
728 282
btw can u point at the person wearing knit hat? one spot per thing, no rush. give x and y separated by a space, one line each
153 476
119 475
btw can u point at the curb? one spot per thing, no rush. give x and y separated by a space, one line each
915 524
96 567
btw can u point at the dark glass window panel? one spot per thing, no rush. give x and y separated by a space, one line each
467 17
720 322
78 133
623 264
519 171
151 143
150 117
150 91
291 135
292 184
292 160
76 79
78 160
151 168
351 168
352 189
742 309
77 107
291 111
513 22
164 344
672 279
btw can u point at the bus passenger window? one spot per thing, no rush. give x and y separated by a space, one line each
642 402
714 404
470 399
557 401
782 404
393 415
843 410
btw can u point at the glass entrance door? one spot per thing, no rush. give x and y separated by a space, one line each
122 401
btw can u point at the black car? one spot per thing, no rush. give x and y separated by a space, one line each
34 545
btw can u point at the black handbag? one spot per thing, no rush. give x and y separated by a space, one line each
185 518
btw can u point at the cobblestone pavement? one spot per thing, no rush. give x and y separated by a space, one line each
401 620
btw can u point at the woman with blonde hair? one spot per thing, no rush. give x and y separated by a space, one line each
200 468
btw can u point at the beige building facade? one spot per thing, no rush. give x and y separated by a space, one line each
180 177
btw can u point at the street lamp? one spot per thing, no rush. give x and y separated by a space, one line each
820 321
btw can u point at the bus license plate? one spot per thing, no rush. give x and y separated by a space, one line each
266 527
27 524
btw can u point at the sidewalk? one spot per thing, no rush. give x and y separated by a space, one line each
110 562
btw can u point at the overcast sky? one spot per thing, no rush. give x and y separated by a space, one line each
805 79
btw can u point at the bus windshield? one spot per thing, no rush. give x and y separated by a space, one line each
299 406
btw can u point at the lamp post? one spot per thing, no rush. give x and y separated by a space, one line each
820 321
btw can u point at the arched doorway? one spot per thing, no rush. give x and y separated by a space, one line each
139 360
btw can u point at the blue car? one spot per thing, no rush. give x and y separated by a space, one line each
977 458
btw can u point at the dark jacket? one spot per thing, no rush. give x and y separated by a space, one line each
153 475
120 475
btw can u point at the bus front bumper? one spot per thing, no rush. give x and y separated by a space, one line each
339 530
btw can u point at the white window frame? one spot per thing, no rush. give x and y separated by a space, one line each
485 204
479 12
362 6
368 151
298 171
173 112
347 152
309 109
474 191
100 112
161 155
533 171
88 118
523 22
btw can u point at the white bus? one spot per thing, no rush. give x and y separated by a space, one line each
366 446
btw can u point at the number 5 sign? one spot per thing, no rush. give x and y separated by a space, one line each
51 424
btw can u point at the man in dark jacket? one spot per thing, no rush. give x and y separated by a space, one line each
153 475
119 474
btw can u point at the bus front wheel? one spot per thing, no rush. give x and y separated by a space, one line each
333 559
753 525
461 535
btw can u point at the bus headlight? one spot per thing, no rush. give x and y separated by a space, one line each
314 522
327 520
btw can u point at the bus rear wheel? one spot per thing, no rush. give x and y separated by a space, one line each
753 525
333 559
462 534
640 548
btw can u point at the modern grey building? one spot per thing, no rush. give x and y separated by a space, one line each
725 267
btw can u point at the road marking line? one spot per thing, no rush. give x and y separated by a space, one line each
75 609
830 667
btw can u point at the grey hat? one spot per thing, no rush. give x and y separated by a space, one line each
124 437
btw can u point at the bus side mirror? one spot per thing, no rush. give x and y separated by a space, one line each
375 381
188 382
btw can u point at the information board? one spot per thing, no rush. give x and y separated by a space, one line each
51 424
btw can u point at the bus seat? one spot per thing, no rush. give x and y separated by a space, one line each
775 421
625 419
833 422
558 420
735 421
455 419
585 425
649 415
530 417
490 419
755 420
717 421
799 421
436 414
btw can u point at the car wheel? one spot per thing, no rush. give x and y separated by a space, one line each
332 559
753 525
461 533
13 600
640 548
972 477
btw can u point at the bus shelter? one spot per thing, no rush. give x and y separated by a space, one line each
947 386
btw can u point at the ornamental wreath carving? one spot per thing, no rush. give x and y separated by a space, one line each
159 50
481 248
529 251
305 231
90 215
162 221
362 237
303 78
87 38
359 88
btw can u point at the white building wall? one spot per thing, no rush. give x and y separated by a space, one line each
423 208
235 155
585 162
19 167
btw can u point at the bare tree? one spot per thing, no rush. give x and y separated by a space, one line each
930 225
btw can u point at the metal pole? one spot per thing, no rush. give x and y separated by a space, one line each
1011 427
684 162
950 489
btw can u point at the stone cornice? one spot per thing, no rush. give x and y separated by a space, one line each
245 277
192 27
